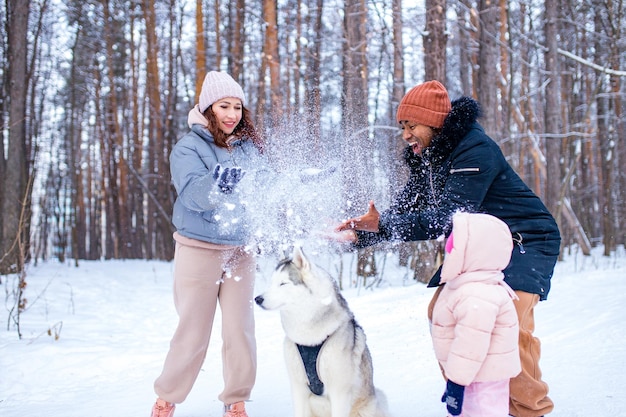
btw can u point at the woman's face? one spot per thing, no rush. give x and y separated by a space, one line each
228 112
416 135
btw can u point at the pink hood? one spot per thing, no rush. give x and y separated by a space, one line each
481 243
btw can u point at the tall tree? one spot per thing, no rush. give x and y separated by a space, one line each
159 208
134 159
118 172
468 32
14 200
487 70
435 40
238 20
503 117
552 108
200 48
605 134
272 59
357 145
312 77
619 98
75 109
396 146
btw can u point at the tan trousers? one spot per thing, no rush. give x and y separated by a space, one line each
528 393
202 277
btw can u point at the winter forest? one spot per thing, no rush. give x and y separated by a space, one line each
94 94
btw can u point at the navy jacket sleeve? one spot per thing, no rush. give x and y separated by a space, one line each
469 175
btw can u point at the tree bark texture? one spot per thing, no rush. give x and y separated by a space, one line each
435 40
16 173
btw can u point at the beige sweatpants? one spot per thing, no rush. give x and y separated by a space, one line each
202 277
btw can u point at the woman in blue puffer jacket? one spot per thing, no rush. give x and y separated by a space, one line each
212 262
455 166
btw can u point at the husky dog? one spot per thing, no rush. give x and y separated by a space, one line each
328 361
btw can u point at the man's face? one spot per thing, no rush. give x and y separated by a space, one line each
416 135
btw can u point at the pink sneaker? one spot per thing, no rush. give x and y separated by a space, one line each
235 410
162 409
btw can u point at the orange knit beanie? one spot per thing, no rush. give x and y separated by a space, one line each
427 104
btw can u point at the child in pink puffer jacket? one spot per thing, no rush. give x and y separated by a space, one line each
474 323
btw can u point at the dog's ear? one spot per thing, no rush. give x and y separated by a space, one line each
300 259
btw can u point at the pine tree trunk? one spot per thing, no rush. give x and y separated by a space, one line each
14 198
487 74
435 40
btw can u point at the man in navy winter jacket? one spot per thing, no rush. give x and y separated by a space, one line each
455 166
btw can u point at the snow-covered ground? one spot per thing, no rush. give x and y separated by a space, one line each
95 336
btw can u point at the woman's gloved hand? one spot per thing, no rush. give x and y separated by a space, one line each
227 179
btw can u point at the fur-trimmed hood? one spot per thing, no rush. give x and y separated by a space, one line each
465 112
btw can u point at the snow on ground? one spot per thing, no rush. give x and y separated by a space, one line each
95 337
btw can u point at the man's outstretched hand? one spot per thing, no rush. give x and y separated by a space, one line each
367 222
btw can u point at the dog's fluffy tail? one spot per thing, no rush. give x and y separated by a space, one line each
382 405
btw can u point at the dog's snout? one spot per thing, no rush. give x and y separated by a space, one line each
258 300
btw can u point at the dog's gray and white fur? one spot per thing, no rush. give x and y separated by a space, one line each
328 361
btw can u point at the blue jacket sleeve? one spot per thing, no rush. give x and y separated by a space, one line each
193 179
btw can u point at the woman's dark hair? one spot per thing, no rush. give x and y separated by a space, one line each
244 131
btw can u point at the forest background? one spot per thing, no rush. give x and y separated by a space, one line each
94 94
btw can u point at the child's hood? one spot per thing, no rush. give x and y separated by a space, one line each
480 243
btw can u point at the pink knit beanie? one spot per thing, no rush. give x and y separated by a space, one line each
427 104
216 86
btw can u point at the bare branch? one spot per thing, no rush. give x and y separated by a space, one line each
591 64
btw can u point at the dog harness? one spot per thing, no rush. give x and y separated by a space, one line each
309 355
309 358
